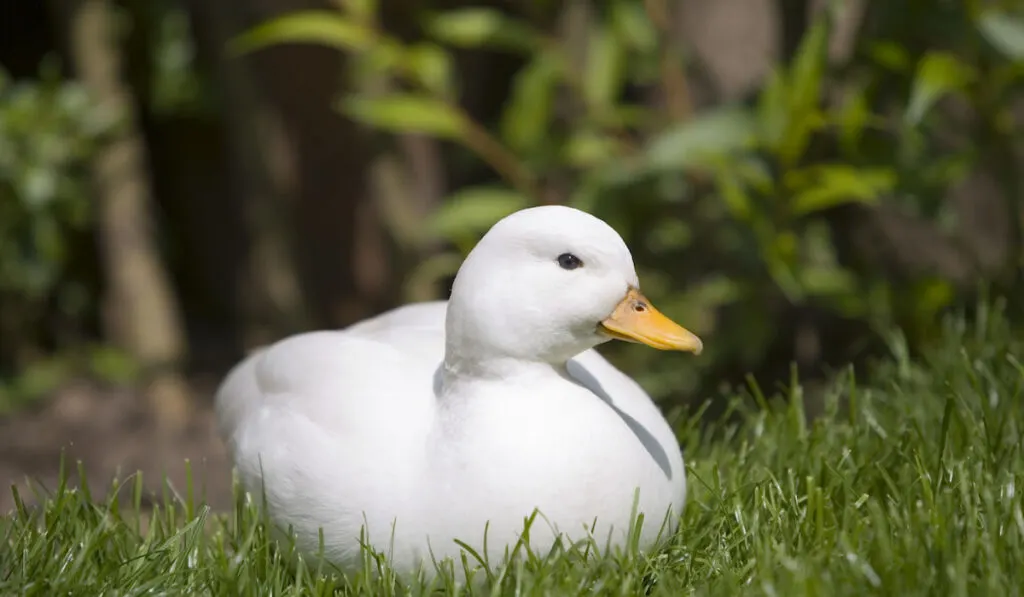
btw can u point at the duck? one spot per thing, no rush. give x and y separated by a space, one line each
464 422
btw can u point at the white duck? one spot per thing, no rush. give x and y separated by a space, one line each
434 421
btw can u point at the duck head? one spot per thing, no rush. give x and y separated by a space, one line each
547 283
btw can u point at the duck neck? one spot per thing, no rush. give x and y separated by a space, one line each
490 337
462 369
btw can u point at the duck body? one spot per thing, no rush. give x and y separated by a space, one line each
379 429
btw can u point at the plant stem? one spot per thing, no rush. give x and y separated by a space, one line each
673 76
498 157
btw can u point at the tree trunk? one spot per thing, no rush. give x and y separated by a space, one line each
262 173
140 311
317 243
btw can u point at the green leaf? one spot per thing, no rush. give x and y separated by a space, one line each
432 67
773 110
478 27
589 148
802 126
634 27
689 144
603 72
1004 31
472 211
755 174
626 116
804 92
321 27
821 187
808 67
364 10
854 116
938 74
825 280
524 122
384 57
406 113
777 252
733 193
890 55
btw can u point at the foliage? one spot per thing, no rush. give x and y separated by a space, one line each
906 485
50 278
731 211
43 376
746 217
48 131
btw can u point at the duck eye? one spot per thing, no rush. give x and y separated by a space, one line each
569 261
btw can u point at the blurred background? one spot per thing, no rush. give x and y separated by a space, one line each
805 184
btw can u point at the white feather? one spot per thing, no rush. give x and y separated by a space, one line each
434 420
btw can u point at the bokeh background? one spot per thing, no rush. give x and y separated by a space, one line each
805 184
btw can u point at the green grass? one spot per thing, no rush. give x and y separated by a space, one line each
906 486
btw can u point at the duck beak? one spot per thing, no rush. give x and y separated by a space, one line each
636 320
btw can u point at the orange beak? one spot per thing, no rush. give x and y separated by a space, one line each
636 320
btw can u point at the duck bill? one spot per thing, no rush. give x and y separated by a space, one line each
636 320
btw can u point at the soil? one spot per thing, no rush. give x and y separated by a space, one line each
113 434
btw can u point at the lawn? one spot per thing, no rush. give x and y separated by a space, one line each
905 486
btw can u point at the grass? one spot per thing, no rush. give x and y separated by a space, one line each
907 485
